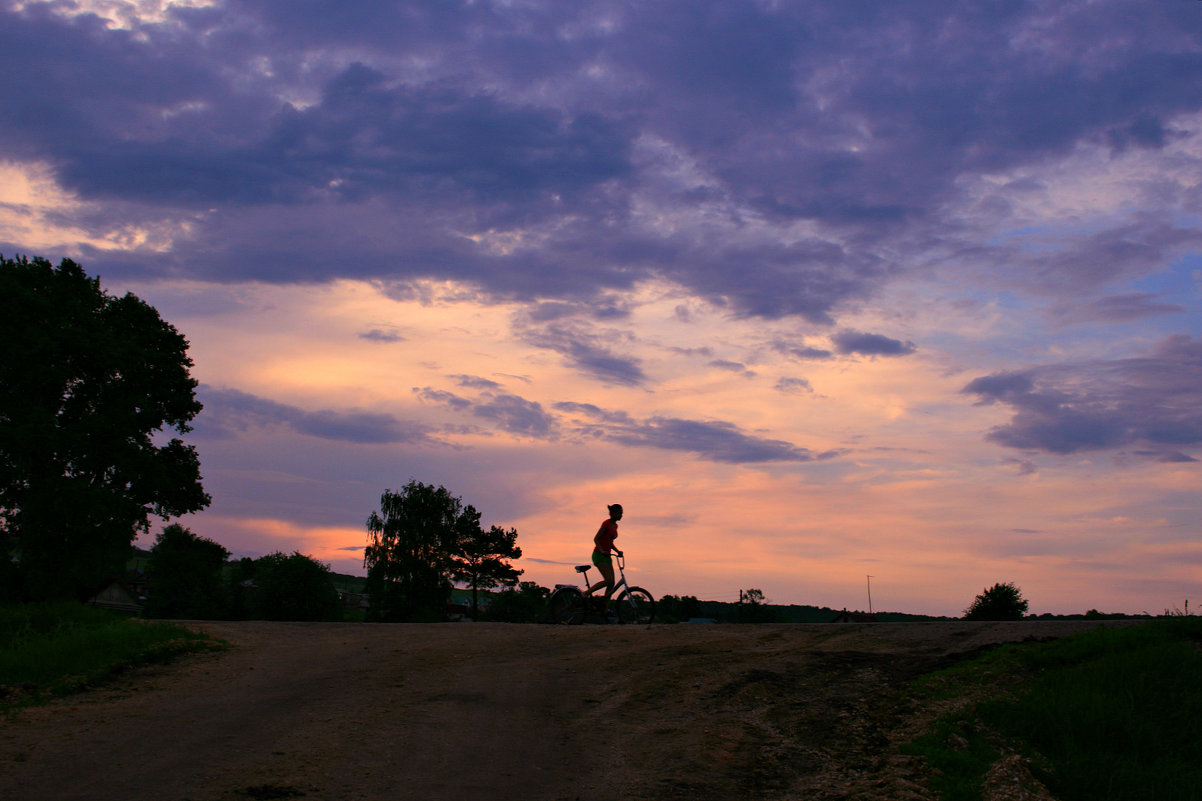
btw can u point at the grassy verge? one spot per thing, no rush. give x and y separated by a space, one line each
1109 715
50 650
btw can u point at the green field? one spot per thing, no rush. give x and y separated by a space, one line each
53 649
1102 716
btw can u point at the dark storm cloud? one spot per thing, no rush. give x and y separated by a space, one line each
1153 403
515 147
228 411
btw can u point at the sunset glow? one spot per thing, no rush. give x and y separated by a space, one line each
816 292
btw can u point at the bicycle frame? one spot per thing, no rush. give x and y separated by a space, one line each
621 582
634 604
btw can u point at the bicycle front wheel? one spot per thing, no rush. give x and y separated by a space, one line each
636 606
567 606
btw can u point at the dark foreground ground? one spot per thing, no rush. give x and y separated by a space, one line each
496 711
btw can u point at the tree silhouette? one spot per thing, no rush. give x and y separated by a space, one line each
295 587
753 607
87 384
999 602
410 541
421 539
478 560
525 603
184 575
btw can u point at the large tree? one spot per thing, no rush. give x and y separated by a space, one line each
999 602
296 587
410 540
421 540
185 576
479 558
88 385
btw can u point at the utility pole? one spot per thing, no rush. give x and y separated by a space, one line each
870 595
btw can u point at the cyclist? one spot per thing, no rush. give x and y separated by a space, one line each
603 543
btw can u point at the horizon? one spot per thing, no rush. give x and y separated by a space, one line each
815 292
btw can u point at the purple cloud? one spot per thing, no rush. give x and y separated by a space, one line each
856 342
713 440
794 386
381 335
318 168
229 410
1154 402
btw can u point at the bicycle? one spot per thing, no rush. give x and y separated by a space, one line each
569 604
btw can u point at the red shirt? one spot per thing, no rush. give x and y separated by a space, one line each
606 535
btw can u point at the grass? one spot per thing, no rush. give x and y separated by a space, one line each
49 650
1109 715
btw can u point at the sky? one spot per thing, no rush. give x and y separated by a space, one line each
834 298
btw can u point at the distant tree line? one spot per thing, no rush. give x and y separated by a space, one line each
191 577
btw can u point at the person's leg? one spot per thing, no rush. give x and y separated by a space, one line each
605 566
607 572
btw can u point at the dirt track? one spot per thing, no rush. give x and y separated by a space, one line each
495 711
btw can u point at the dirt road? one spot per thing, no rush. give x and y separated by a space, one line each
496 711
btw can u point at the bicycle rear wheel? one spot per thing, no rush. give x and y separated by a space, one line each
636 606
567 606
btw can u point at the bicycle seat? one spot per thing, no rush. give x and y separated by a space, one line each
582 568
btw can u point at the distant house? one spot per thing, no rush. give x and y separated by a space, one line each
120 596
854 617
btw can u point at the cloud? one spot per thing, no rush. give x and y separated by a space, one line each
855 342
475 382
794 386
523 153
509 413
381 335
516 415
588 353
227 411
732 367
1114 309
444 398
802 352
713 440
1154 402
593 411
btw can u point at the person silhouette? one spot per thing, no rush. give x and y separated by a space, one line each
603 544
